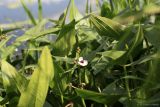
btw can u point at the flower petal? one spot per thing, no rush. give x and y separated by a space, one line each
85 62
80 59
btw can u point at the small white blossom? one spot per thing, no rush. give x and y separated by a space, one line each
16 49
82 62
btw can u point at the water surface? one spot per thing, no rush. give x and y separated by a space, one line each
12 11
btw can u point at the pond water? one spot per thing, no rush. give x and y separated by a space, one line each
12 11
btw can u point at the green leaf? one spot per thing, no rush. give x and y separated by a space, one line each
74 13
114 54
65 41
86 34
130 17
6 51
36 32
98 97
11 77
4 31
136 40
3 42
106 10
28 12
40 10
64 59
152 35
77 16
59 80
144 59
36 92
46 64
107 27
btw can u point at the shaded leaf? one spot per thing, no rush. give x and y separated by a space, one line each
65 41
98 97
152 35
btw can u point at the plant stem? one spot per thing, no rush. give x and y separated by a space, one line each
83 102
111 4
79 77
127 83
40 10
130 4
24 61
87 6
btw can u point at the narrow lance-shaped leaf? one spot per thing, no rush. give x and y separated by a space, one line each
152 35
130 17
98 97
114 54
74 13
36 92
137 40
107 27
65 41
4 31
59 81
40 10
11 78
28 12
3 42
36 32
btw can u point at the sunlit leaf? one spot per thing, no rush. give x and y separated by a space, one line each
36 92
40 16
36 32
28 12
112 54
107 27
130 17
11 77
74 13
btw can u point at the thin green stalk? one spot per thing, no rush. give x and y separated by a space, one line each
87 6
28 12
133 73
24 61
1 31
98 4
83 102
127 82
147 2
65 15
111 4
61 96
130 4
80 77
126 74
147 44
105 106
90 7
40 10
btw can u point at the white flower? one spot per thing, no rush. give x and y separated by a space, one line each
16 49
82 62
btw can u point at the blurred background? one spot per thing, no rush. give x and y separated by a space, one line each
12 10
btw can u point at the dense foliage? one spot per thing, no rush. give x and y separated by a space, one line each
105 58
